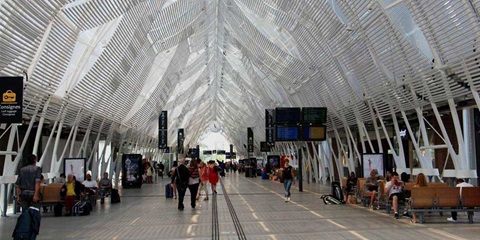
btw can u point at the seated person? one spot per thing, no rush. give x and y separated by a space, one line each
404 177
460 183
371 187
351 183
61 179
105 186
394 189
91 186
421 182
72 190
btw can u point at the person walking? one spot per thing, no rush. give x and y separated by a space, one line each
204 180
193 182
27 188
173 178
181 180
212 176
288 179
28 184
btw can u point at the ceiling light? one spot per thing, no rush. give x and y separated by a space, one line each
349 27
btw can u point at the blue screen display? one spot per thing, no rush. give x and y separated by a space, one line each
287 133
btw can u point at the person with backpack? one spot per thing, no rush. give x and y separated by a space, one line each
181 181
193 181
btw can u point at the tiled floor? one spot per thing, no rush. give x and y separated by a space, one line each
261 211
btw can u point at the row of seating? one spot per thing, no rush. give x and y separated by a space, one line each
437 197
445 199
51 194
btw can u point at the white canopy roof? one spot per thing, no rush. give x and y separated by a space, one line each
123 62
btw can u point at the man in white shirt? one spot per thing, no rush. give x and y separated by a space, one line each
394 187
460 183
90 185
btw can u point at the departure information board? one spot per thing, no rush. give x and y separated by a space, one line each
286 116
314 133
287 133
314 115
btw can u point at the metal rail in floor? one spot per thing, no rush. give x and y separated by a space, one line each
253 209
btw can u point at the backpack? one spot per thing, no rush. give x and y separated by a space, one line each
331 200
337 191
82 208
114 196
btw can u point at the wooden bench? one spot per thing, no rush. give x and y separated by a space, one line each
445 199
51 194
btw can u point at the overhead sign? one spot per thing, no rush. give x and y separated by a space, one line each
270 135
249 140
11 104
180 139
163 131
264 147
269 120
163 121
270 125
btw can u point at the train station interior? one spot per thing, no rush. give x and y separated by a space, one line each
335 86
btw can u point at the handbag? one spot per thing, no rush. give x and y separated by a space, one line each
193 181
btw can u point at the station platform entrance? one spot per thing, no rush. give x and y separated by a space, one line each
244 208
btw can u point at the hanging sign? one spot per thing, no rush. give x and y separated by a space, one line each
11 105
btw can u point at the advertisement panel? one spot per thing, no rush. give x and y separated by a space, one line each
132 170
76 167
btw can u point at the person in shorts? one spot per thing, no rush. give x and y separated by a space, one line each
394 189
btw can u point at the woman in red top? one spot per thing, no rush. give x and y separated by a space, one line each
212 176
204 180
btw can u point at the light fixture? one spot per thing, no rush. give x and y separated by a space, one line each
349 27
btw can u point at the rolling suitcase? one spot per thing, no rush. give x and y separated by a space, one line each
168 191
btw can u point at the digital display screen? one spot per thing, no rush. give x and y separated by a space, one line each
221 152
207 152
314 133
287 133
314 115
287 116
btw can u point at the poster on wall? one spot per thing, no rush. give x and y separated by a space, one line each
259 163
132 170
273 161
373 161
76 167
